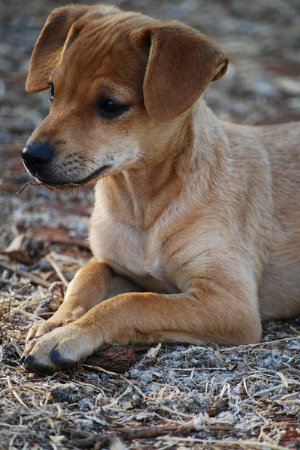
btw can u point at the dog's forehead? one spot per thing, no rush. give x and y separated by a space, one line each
101 45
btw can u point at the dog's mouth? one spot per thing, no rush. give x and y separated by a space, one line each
64 185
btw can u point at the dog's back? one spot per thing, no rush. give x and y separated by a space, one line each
269 157
279 289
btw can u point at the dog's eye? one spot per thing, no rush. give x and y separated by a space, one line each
51 92
109 108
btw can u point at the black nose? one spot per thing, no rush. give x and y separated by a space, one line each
37 155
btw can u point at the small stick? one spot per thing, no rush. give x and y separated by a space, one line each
35 184
254 445
132 433
57 270
68 241
118 375
294 329
23 273
16 394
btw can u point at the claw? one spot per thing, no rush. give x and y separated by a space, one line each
32 366
28 362
64 364
28 359
55 356
61 363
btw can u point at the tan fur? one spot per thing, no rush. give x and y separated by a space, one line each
196 226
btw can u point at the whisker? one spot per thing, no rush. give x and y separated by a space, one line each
14 150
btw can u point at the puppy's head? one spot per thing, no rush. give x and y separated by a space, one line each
117 81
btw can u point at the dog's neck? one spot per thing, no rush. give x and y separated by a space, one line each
149 189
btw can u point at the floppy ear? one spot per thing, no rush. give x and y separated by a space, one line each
181 64
48 49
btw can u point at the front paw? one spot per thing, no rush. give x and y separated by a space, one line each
57 350
40 329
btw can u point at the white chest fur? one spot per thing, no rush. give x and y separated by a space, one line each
129 250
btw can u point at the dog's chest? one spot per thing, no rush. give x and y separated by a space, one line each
130 251
137 251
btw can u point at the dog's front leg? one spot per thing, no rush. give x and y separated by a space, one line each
132 317
93 283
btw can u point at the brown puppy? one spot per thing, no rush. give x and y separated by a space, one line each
196 225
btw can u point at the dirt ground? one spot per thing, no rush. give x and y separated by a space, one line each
173 397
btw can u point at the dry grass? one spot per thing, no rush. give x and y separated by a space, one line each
186 397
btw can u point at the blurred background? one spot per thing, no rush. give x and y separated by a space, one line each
261 38
262 86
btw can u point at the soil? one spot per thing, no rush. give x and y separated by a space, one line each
174 396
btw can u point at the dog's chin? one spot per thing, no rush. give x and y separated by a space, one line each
62 185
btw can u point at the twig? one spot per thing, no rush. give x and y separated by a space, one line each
133 433
228 443
16 394
117 375
35 184
259 344
248 393
175 411
10 301
68 241
17 348
23 273
57 270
